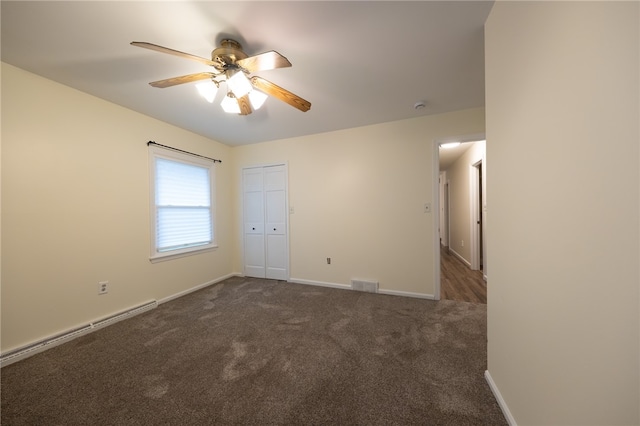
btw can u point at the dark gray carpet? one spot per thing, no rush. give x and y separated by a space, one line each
249 351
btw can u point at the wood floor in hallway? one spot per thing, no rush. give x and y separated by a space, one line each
459 282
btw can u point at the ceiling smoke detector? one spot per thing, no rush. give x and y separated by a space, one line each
419 105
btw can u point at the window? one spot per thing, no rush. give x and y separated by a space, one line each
182 210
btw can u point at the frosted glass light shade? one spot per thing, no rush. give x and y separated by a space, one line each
257 99
239 84
230 104
207 90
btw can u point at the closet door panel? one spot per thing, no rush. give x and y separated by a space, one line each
275 185
275 212
265 222
254 256
254 212
276 257
253 218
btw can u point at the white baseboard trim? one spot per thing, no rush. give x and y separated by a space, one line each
348 287
196 288
459 256
51 341
25 351
408 294
503 405
319 283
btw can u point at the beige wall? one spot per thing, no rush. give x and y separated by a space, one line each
358 197
75 198
75 192
562 114
459 177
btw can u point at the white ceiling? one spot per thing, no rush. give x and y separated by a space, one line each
358 63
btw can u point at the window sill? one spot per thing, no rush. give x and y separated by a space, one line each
182 253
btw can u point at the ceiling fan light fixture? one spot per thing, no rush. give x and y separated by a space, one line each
207 90
239 84
257 99
234 67
230 104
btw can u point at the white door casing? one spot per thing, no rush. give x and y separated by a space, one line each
474 208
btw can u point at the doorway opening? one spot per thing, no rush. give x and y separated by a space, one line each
460 243
476 200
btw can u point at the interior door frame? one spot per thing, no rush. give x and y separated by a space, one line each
474 201
287 211
436 199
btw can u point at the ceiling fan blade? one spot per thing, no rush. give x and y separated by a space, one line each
264 61
182 79
161 49
245 105
280 93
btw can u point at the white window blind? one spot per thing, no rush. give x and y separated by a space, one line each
182 203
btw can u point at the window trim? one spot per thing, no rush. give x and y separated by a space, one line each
159 152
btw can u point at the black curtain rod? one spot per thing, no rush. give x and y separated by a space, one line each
186 152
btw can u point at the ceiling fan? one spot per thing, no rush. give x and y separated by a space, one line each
234 67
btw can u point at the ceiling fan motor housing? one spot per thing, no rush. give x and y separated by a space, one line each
227 54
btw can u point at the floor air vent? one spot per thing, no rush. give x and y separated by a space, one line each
366 286
27 351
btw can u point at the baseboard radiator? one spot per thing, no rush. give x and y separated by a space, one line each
34 348
366 286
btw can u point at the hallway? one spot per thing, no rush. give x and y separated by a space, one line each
458 282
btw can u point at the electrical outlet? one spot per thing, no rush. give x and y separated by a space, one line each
103 287
328 261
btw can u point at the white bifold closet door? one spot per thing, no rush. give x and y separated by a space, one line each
265 222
